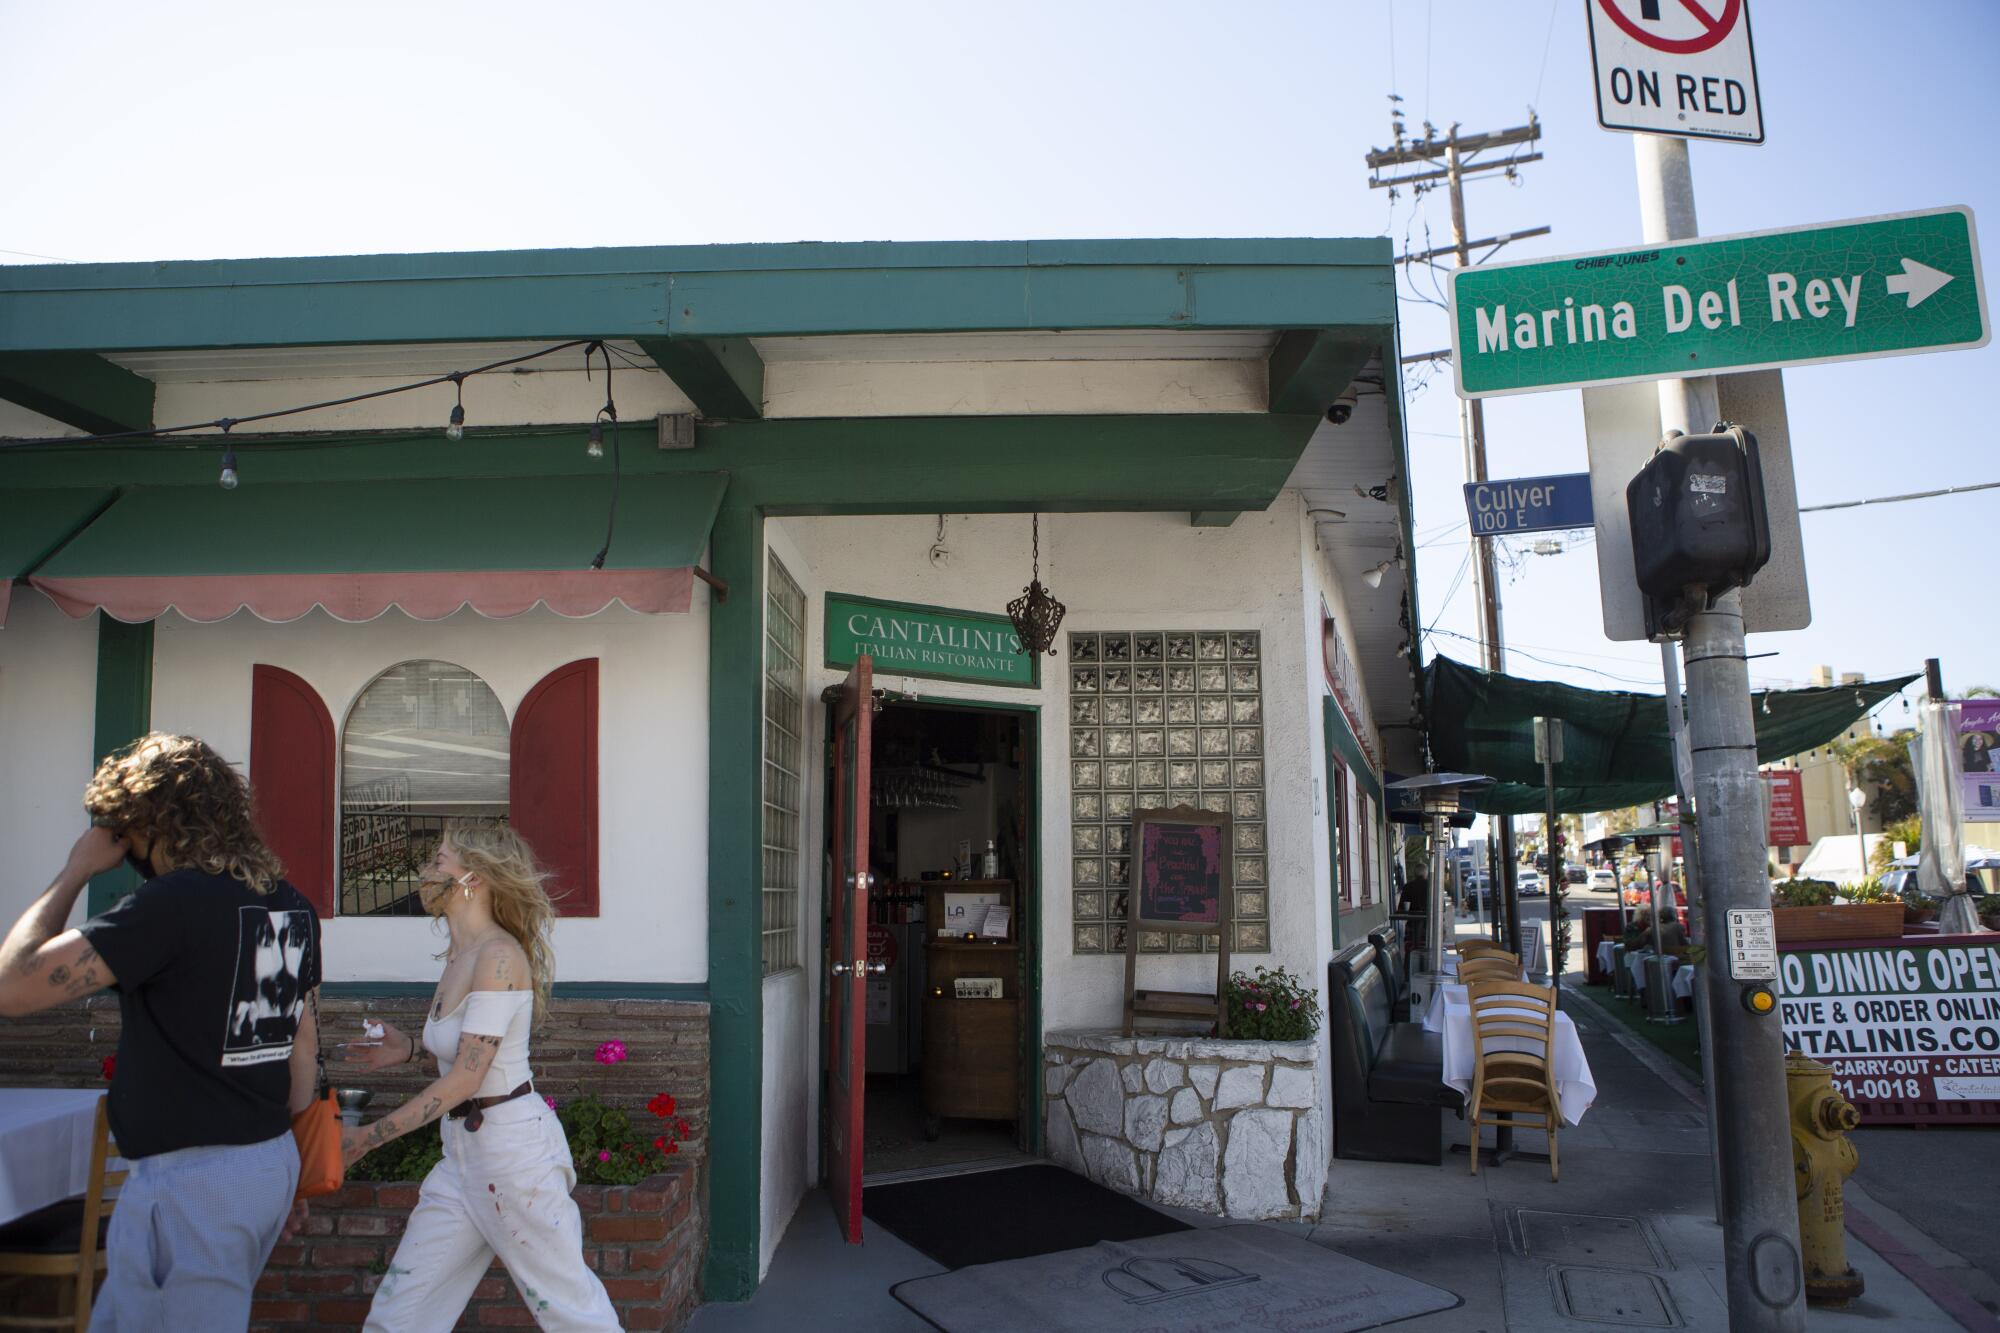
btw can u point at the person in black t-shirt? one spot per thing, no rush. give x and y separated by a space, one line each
216 961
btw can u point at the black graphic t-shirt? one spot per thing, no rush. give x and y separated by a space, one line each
212 980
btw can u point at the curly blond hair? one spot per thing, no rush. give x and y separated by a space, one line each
506 865
187 800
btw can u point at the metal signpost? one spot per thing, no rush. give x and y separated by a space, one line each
1837 291
1676 67
1529 504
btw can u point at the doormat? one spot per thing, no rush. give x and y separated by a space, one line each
988 1217
1237 1277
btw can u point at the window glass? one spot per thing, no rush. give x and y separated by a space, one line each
425 746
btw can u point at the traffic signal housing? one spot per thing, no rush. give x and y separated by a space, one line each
1699 523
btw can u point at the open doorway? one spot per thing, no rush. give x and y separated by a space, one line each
951 1019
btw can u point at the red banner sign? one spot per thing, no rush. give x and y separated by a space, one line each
1788 807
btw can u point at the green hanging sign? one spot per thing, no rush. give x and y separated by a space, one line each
906 639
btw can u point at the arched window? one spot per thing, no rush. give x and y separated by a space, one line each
426 745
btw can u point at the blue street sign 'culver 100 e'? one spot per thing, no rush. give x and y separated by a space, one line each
1529 504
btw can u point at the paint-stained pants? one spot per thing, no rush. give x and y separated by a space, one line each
502 1191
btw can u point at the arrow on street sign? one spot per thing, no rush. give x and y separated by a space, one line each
1838 291
1919 280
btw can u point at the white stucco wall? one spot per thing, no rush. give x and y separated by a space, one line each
652 760
1119 572
48 700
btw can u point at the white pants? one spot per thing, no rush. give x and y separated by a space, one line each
503 1191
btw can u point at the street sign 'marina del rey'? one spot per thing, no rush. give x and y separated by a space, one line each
1840 291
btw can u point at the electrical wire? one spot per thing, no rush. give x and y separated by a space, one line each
225 424
1548 39
1898 499
1566 666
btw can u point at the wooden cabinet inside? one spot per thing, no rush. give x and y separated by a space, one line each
972 1044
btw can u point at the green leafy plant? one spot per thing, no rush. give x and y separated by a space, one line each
608 1147
1274 1005
408 1158
1870 890
1803 893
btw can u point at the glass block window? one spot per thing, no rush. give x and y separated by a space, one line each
1158 719
784 725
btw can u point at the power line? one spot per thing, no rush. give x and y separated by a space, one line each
1547 39
1898 499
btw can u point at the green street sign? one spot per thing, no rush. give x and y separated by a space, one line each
932 641
1840 291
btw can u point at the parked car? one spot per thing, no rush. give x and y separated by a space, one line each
1575 874
1603 881
1529 885
1902 883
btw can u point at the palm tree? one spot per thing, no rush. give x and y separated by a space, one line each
1881 765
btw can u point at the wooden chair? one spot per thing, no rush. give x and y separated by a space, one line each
64 1240
1506 1078
1472 948
1490 967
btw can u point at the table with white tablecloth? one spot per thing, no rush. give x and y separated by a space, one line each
45 1138
1450 1015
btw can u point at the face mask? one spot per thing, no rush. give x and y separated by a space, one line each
142 865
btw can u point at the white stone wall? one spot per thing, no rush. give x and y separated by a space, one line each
1234 1128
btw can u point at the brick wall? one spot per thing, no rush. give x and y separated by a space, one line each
645 1242
666 1043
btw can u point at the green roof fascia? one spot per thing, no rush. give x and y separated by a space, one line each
35 522
910 465
78 389
723 291
364 527
1399 433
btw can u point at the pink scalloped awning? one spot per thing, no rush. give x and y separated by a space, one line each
357 597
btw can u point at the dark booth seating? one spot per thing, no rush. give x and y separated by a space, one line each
1395 970
1388 1078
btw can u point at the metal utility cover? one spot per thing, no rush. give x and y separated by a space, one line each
1614 1296
1588 1238
1622 429
1675 67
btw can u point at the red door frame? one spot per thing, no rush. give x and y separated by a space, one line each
847 947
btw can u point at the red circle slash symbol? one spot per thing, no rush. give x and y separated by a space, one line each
1713 27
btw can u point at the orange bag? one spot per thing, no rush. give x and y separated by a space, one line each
317 1129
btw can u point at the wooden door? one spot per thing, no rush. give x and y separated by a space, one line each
847 946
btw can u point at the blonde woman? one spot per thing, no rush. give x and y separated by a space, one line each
503 1187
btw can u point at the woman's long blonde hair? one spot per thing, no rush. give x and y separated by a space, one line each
506 865
189 802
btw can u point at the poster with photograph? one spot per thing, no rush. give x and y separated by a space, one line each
1979 759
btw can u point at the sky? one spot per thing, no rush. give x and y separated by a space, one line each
194 130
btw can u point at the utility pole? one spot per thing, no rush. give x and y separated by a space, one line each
1457 152
1760 1225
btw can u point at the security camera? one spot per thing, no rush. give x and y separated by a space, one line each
1342 409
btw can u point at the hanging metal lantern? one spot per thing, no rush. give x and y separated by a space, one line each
1036 613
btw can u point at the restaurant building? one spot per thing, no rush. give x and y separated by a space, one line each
792 462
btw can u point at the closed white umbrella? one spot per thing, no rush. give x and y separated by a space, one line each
1941 860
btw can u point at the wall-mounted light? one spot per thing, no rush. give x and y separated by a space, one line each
1373 577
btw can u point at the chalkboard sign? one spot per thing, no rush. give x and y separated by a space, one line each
1180 885
1181 867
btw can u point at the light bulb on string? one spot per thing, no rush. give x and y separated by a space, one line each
596 446
228 479
455 428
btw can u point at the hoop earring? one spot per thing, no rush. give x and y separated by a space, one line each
466 890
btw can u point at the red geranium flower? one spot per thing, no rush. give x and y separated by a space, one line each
109 1067
661 1143
681 1128
672 1148
661 1106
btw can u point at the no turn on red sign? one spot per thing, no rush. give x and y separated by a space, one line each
1680 67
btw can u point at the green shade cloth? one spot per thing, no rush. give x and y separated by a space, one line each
34 522
379 527
1616 752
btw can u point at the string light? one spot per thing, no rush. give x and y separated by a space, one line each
596 446
455 429
228 478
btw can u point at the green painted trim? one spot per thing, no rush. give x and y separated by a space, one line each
908 465
1213 518
831 659
694 992
723 377
1399 432
1328 710
1032 920
735 907
78 389
721 291
124 713
1340 739
35 524
1310 368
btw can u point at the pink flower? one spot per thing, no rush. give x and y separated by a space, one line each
1295 1004
603 1154
611 1052
1262 1007
551 1101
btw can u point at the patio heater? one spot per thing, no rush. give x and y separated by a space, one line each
1441 801
1659 989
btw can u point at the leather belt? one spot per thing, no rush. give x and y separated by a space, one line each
473 1109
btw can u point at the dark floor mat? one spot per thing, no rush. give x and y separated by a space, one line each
986 1217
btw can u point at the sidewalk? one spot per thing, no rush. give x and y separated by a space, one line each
1630 1226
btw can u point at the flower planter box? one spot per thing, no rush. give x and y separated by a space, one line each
645 1241
1842 921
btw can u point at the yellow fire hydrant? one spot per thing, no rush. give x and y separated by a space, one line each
1822 1157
